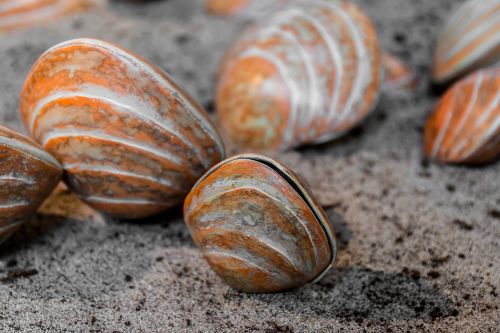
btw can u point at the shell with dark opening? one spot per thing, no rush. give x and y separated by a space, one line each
258 225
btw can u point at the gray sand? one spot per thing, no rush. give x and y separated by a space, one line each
419 243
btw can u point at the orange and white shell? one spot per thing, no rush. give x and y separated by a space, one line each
470 40
258 225
465 126
28 175
244 7
24 13
306 74
397 74
132 143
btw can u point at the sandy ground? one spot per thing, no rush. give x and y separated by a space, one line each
419 243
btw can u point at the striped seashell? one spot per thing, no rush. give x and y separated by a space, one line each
24 13
247 8
258 225
470 40
28 175
131 141
306 74
465 126
397 74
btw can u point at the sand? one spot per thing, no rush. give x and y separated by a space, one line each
419 243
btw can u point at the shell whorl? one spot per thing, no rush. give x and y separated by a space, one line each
470 40
131 141
465 126
306 74
28 175
256 231
24 13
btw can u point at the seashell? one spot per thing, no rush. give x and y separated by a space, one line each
470 40
21 13
258 225
465 126
398 76
28 175
307 74
244 7
132 143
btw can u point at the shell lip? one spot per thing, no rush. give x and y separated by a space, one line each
300 187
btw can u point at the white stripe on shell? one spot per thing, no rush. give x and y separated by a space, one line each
129 105
14 205
314 99
278 248
294 91
249 261
470 107
362 66
486 113
16 178
440 137
123 201
494 128
479 51
142 146
223 186
333 49
464 17
470 36
76 167
161 80
30 150
10 226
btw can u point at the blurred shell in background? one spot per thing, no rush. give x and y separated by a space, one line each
259 226
16 14
470 40
131 141
465 126
28 175
397 74
305 74
247 8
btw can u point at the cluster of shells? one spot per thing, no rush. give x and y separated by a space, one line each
132 143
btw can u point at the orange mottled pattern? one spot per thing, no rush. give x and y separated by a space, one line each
246 8
28 175
131 141
226 7
254 229
16 14
465 125
305 74
398 76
